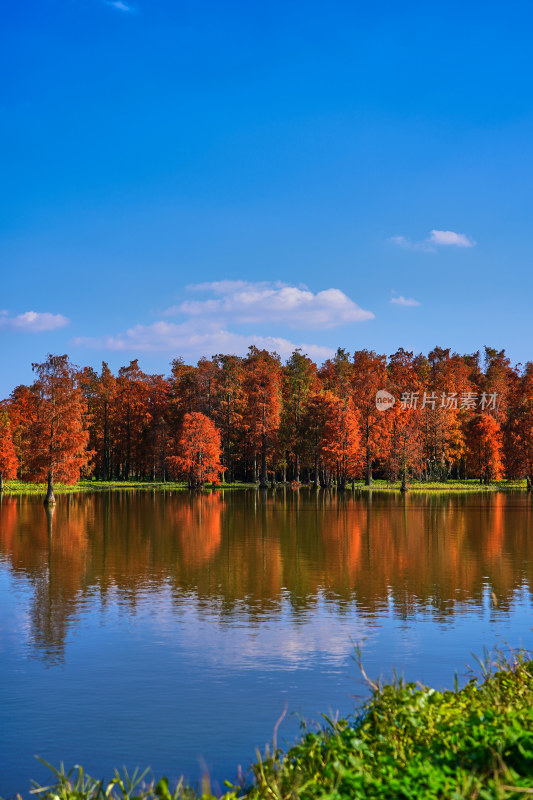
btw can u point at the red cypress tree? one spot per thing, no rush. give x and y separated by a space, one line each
22 408
263 403
230 409
99 392
519 444
8 457
299 380
484 439
405 454
198 451
341 440
131 418
59 432
156 440
314 425
369 375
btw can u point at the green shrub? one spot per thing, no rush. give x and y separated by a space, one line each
407 742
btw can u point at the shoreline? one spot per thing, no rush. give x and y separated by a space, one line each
406 740
13 488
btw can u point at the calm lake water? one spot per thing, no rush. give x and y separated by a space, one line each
169 630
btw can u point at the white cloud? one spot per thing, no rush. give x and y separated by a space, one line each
265 302
434 240
194 339
404 301
402 241
32 321
208 327
450 238
120 6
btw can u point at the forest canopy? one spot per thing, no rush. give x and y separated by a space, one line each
255 419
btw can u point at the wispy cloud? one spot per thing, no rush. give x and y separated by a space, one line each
400 300
266 302
435 240
32 321
424 245
192 339
446 238
121 6
209 324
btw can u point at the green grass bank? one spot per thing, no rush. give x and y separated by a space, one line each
22 488
406 742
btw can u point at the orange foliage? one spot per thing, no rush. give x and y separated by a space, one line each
8 456
131 418
198 451
58 432
100 392
262 385
405 454
519 450
332 426
21 408
230 407
293 422
443 428
341 441
299 380
369 376
485 448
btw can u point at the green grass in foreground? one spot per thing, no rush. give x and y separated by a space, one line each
406 742
467 485
21 487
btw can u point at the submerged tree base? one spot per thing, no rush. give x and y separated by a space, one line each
407 741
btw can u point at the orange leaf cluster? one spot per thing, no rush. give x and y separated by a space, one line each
198 451
8 456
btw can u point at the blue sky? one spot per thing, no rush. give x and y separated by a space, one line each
184 178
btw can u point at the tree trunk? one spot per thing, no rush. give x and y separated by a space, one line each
368 478
263 484
2 483
128 447
297 468
316 478
105 459
50 499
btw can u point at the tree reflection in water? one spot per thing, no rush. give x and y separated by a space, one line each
245 553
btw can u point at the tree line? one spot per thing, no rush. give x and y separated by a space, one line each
255 419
